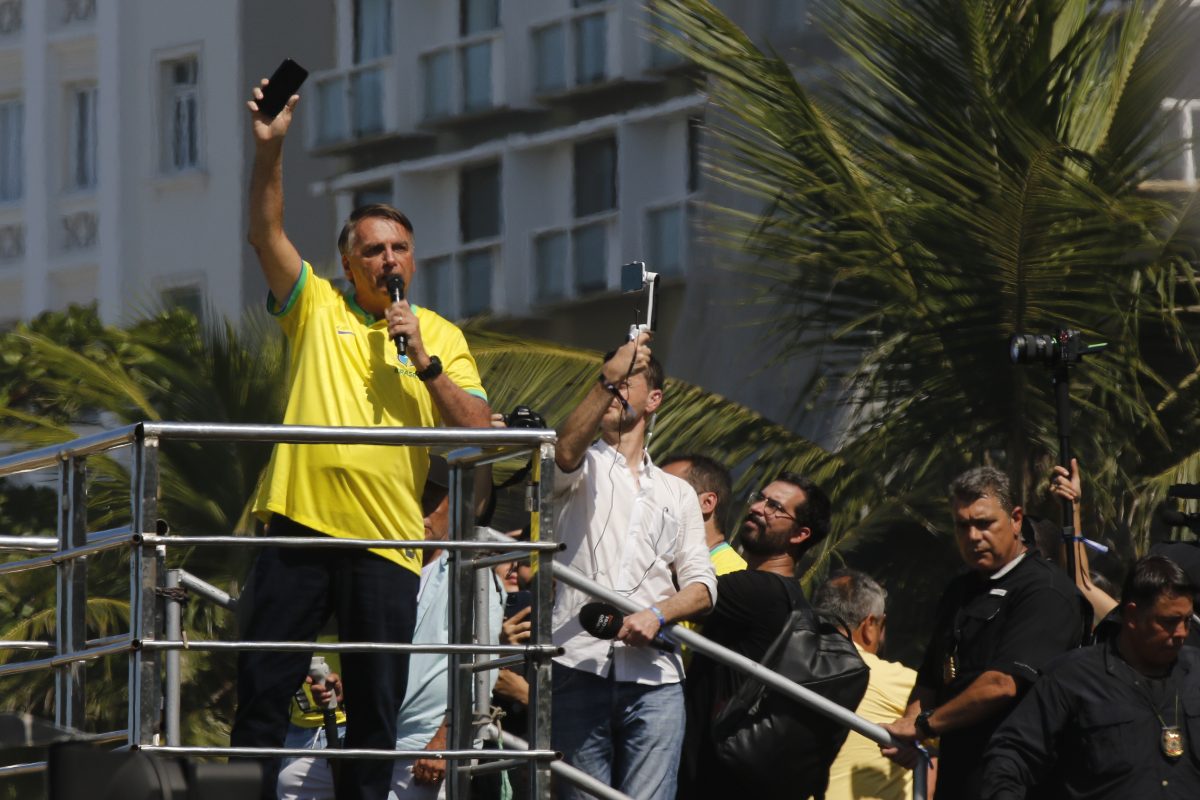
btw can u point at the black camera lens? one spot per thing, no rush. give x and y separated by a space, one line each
524 417
1032 347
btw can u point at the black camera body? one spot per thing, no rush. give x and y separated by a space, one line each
524 417
1064 346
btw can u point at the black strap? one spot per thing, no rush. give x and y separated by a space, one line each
795 594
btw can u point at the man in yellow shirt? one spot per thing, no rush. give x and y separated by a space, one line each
860 771
344 370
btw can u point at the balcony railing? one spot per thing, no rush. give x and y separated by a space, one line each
463 79
359 102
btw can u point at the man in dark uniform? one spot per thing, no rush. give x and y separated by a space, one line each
1114 721
997 626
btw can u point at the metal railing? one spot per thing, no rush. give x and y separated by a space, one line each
155 623
155 643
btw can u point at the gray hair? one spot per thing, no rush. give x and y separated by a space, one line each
982 482
851 596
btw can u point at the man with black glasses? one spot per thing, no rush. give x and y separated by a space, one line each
785 519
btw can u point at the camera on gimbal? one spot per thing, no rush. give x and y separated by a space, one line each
1064 346
524 417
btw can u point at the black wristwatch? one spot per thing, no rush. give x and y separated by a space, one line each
432 371
922 724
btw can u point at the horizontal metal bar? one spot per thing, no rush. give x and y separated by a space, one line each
19 645
44 645
515 744
336 542
283 752
501 663
493 766
483 562
20 667
104 738
112 542
28 544
50 455
25 565
96 535
208 646
12 770
206 590
121 644
325 434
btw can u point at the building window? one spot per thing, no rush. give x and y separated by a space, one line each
372 29
182 123
476 282
550 266
479 203
477 76
589 244
436 282
591 48
189 298
81 161
595 176
12 159
438 69
477 16
664 239
549 59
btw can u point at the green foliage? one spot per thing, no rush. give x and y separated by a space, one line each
970 169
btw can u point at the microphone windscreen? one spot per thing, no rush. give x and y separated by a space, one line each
395 287
601 620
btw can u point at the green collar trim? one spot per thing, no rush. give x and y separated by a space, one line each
364 317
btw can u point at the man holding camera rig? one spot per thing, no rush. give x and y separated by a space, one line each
618 705
344 370
996 628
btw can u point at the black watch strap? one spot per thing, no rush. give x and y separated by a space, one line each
922 724
432 371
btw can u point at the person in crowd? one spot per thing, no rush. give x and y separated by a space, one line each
1067 485
860 772
714 488
1117 720
344 370
617 705
786 518
996 628
422 720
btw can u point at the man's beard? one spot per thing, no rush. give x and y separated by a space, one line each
757 540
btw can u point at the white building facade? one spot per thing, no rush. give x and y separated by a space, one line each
123 152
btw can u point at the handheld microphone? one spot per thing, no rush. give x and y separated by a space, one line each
604 622
318 670
395 287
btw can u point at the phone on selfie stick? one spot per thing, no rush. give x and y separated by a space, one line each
283 83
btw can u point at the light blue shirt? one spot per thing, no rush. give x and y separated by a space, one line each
425 697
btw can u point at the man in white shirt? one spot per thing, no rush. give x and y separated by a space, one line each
618 705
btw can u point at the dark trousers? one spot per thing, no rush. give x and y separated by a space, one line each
294 592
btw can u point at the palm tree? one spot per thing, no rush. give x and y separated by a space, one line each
969 169
66 369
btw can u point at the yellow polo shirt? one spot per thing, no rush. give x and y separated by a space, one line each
859 772
343 370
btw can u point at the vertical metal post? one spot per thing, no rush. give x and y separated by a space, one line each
71 598
460 626
538 733
483 634
174 633
146 567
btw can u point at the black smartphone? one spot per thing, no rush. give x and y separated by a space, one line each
283 83
517 601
